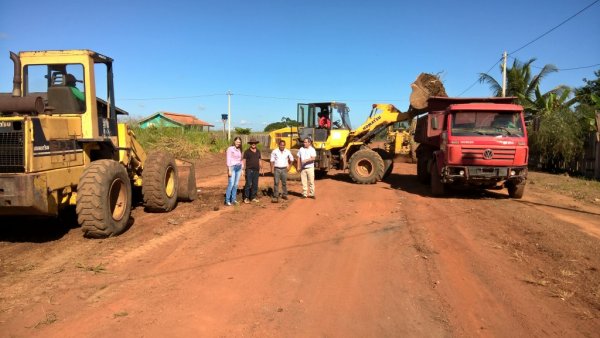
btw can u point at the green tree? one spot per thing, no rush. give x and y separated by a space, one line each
558 140
588 98
519 79
242 131
285 122
585 95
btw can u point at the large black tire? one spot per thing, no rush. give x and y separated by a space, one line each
103 199
437 187
160 182
388 162
366 166
422 173
515 190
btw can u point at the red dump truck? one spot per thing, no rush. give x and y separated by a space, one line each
472 142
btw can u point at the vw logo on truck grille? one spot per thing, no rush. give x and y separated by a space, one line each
488 154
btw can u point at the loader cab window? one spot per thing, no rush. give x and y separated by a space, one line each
61 85
341 117
499 124
306 115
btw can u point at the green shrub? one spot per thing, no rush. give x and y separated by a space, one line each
182 143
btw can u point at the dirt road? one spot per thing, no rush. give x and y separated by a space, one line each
359 261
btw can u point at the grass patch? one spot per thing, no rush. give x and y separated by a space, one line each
535 281
580 188
50 318
95 269
562 294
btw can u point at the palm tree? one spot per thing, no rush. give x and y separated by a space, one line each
519 81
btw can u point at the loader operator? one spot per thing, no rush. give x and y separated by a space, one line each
71 82
324 121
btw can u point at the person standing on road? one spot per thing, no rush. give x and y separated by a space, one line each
306 162
280 164
234 170
251 160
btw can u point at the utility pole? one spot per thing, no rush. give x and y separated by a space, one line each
229 115
504 74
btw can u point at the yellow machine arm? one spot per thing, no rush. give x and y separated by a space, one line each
382 115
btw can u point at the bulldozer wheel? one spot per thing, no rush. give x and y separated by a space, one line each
103 199
366 166
516 190
160 182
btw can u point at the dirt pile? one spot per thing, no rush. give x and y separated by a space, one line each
425 86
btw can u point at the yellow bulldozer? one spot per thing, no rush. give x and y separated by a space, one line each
61 145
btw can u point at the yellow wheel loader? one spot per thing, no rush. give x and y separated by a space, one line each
61 145
341 147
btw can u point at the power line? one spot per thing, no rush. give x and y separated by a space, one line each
171 98
474 83
563 69
555 27
313 100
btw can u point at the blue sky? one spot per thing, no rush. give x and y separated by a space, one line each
183 56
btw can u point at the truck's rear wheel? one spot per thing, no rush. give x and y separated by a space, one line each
515 190
366 166
103 199
422 174
160 182
437 187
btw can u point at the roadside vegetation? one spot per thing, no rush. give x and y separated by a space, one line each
579 188
182 143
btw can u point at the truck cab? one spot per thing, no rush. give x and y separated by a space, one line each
476 142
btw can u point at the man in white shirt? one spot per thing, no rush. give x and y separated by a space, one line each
306 163
280 164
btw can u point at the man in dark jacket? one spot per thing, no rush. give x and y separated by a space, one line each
251 161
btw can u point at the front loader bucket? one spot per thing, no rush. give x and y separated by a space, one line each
187 181
424 87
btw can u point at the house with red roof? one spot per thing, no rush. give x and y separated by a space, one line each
167 119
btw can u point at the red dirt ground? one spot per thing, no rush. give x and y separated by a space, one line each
361 260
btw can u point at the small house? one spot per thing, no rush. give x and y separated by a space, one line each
166 119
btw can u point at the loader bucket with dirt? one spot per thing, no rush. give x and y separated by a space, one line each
425 86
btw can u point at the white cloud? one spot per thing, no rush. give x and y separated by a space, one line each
244 122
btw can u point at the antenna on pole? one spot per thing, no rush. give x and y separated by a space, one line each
504 74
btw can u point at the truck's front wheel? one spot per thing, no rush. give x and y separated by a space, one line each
515 190
437 186
366 166
103 199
